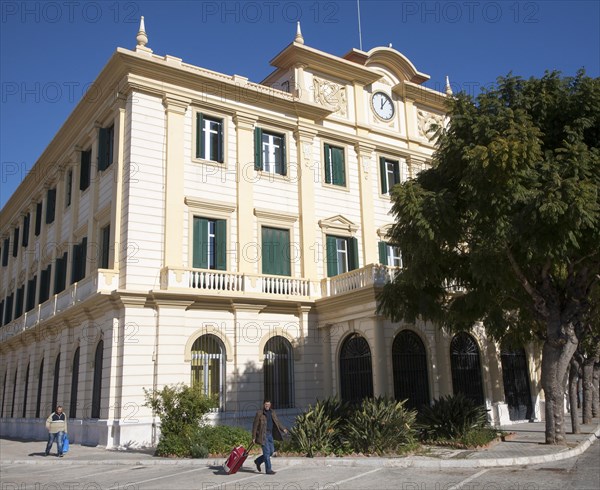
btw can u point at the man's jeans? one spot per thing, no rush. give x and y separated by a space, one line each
268 448
58 436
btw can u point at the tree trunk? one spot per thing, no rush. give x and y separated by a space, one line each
556 355
588 389
596 393
573 378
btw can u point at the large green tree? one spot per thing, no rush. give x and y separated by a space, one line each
509 210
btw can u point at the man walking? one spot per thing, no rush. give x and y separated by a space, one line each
266 427
57 427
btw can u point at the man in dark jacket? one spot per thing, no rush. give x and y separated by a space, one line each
57 428
266 427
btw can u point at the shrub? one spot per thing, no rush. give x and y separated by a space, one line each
451 418
380 425
314 431
181 410
221 439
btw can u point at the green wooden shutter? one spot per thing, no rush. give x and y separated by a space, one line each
268 261
352 254
103 149
199 135
327 164
397 172
283 153
221 245
105 247
331 257
285 253
258 163
220 142
382 169
83 258
383 253
200 259
339 171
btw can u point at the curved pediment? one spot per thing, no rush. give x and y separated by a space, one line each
397 63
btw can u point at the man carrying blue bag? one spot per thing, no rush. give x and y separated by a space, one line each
57 429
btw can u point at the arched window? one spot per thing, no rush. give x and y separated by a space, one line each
356 372
409 361
38 403
74 385
26 390
97 386
12 406
466 367
208 366
278 368
55 383
515 376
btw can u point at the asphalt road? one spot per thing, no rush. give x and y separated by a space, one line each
581 473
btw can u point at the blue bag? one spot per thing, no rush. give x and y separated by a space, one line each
65 443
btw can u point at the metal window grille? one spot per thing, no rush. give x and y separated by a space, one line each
208 366
55 383
409 361
97 385
356 372
515 376
278 369
466 367
74 385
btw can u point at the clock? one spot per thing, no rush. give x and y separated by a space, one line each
382 105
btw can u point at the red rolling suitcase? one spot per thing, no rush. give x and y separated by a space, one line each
236 459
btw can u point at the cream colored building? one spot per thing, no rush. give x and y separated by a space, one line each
185 225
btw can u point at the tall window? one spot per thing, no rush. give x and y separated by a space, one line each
106 141
26 223
79 261
20 301
55 382
45 284
390 174
8 308
12 405
210 243
278 369
85 169
104 247
208 366
74 385
389 255
409 362
38 218
38 403
209 138
269 149
24 414
50 205
16 242
335 170
68 188
31 289
5 252
97 385
356 372
342 255
60 275
275 251
466 367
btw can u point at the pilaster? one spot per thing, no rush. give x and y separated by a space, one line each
366 172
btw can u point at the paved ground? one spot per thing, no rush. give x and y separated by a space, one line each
526 447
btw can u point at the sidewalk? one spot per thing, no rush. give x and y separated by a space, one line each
526 447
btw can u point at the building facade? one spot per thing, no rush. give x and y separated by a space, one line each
186 226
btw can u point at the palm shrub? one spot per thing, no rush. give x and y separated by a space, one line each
381 425
315 430
451 418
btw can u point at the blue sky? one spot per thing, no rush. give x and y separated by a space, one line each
51 51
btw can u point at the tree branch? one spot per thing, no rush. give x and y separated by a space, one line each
538 299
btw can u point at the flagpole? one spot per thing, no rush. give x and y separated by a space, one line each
359 31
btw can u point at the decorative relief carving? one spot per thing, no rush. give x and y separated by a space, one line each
330 94
306 148
425 121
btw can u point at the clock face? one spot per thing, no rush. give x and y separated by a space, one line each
382 105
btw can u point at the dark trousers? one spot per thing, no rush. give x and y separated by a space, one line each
58 437
268 448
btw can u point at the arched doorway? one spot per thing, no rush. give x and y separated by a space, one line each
356 372
466 367
208 366
515 376
278 368
409 361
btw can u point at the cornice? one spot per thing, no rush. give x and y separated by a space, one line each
221 207
275 215
325 63
421 95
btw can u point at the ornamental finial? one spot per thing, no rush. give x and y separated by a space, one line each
299 39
